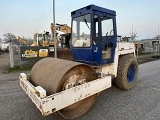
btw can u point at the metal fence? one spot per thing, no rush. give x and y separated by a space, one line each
154 49
62 53
17 58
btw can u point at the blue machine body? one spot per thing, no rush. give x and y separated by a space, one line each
97 20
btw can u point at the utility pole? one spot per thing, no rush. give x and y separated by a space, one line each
158 32
55 40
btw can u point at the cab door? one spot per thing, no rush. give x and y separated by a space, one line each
108 38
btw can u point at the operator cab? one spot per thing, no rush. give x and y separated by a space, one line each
41 37
94 35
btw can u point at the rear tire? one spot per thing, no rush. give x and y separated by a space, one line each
127 72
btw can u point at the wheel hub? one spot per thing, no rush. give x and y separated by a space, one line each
131 73
73 81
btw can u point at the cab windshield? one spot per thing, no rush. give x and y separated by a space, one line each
81 27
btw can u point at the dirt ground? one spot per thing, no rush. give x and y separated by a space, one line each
4 61
147 58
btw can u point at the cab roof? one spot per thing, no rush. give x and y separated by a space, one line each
90 8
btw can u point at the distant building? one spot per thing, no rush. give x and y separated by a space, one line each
150 44
4 46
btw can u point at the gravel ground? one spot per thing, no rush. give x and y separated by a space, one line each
140 103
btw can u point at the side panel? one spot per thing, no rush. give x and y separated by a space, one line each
121 49
84 55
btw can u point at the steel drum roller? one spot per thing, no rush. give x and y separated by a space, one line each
56 75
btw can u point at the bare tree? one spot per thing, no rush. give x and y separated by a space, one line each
9 37
1 41
157 37
133 36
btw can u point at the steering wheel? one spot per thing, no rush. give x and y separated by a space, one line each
84 37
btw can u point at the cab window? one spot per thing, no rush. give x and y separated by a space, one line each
81 33
107 28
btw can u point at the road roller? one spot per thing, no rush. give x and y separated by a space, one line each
70 88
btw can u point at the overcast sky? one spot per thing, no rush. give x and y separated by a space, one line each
26 17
